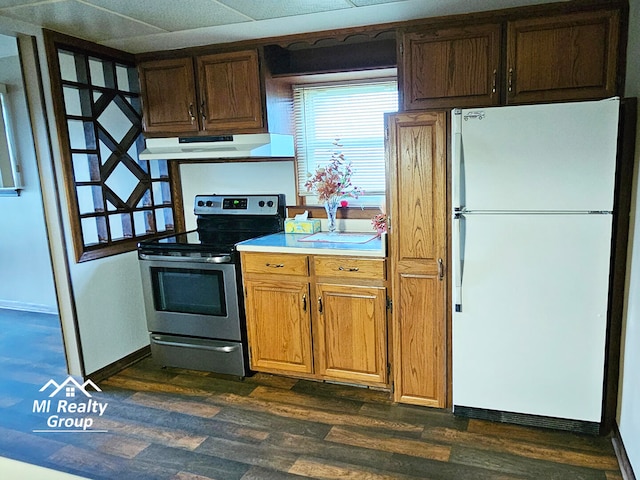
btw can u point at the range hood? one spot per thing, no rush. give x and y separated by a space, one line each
259 145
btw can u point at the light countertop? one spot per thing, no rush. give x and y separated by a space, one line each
320 244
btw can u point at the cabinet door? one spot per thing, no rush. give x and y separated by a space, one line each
351 334
231 98
168 96
567 57
457 67
416 155
279 325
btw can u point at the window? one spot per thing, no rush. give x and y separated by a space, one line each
9 176
115 199
12 106
353 114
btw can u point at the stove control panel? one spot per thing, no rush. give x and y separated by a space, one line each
239 204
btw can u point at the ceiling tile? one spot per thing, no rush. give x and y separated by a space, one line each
80 20
261 10
13 3
366 3
169 15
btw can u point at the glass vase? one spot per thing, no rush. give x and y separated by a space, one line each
331 206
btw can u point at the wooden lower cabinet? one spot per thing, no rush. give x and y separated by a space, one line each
419 345
339 333
278 325
351 333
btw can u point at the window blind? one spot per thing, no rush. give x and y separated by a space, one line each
351 114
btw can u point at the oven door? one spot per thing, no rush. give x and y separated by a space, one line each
187 296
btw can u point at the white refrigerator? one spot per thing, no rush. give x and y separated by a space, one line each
532 197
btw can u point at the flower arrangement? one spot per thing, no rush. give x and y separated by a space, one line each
333 180
379 223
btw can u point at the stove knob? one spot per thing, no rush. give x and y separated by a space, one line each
209 203
270 203
261 203
200 203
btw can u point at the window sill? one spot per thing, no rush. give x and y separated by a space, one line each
10 192
318 211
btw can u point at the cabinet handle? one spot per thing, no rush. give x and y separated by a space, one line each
203 114
511 80
320 304
193 118
440 269
493 84
348 269
304 302
274 265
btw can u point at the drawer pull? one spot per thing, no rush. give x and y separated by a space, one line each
348 269
274 265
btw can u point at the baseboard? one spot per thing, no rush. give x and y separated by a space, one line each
28 307
119 365
621 453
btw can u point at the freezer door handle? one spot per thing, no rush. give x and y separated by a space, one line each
456 164
457 254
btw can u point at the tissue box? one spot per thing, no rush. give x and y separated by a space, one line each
302 226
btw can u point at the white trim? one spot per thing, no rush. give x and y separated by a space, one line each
28 307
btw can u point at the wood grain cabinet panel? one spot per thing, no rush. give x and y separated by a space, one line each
222 94
350 268
279 326
230 93
457 67
351 334
566 57
337 333
416 156
276 263
168 96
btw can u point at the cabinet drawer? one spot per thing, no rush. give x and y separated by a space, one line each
348 267
278 263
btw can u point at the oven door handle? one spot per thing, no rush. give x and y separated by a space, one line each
226 349
168 258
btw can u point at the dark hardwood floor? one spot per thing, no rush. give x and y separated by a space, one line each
187 425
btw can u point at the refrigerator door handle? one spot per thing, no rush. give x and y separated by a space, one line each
456 160
457 254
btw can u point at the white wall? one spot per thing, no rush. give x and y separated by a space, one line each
106 297
629 394
235 178
26 277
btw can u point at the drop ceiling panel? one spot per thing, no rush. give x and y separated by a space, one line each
148 25
13 3
366 3
262 10
174 15
80 20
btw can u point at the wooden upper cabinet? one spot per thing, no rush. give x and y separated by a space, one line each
451 67
168 96
221 95
566 57
230 92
